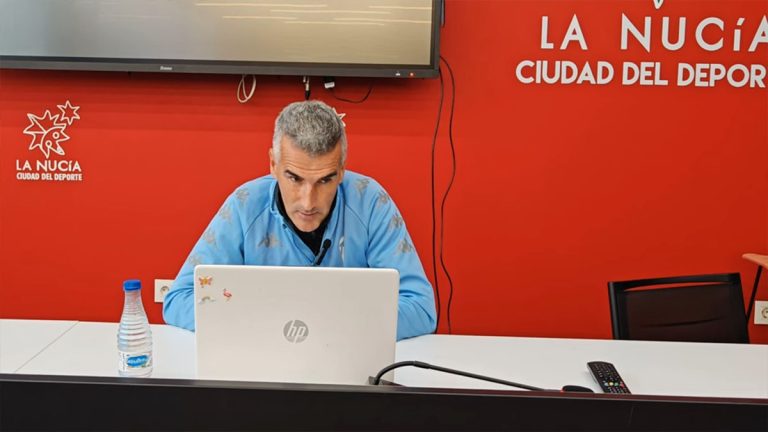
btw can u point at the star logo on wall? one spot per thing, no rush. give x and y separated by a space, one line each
48 130
68 113
46 133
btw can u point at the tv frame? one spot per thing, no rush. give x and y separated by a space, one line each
241 67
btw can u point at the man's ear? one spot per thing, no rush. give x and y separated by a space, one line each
272 163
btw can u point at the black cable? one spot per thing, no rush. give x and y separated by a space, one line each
434 213
423 365
364 98
448 190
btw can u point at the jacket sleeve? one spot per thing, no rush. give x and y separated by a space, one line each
221 243
390 246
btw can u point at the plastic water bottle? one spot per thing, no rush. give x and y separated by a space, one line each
134 337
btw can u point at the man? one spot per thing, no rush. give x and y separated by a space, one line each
310 211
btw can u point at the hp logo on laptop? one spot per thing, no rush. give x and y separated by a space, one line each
295 331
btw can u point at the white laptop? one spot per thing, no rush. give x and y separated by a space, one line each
294 324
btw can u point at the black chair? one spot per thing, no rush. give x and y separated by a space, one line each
707 308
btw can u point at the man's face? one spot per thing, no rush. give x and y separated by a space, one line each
307 184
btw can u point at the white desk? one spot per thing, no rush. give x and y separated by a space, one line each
654 368
90 348
22 340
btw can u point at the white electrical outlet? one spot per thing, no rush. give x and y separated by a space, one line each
162 286
761 312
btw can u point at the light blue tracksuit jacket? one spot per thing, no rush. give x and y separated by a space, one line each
366 230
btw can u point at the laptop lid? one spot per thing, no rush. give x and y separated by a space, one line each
294 324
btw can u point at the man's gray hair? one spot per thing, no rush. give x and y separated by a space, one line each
313 126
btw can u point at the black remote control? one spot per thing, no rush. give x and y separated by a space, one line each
608 377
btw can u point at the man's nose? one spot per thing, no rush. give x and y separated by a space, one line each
308 197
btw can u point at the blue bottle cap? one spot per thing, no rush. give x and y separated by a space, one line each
132 285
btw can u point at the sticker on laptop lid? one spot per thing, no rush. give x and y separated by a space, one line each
206 299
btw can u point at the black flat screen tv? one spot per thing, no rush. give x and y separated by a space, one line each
366 38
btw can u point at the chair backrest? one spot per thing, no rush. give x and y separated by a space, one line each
705 308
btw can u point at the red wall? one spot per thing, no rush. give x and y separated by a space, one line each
559 188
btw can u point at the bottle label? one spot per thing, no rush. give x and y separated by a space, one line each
135 361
